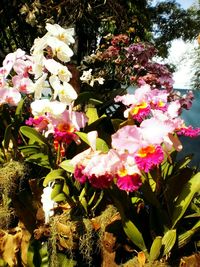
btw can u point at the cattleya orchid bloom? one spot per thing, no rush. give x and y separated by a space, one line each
143 102
95 166
130 140
101 169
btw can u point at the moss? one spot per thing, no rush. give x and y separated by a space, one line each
105 218
11 174
52 243
86 242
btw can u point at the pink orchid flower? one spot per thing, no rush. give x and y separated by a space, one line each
9 96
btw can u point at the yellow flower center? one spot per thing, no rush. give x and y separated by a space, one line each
144 151
137 108
65 127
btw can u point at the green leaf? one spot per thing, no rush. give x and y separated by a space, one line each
168 241
95 102
53 175
7 136
67 166
185 198
33 135
155 248
19 108
133 233
92 115
84 98
29 149
100 143
57 189
185 238
64 261
60 198
40 159
129 227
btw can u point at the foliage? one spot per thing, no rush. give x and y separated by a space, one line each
71 195
92 19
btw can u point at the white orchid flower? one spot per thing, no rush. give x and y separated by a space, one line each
65 35
65 91
67 94
47 203
88 78
42 106
39 86
56 68
60 49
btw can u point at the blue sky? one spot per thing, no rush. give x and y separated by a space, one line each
178 54
184 3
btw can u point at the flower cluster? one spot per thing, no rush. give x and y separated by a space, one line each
131 63
136 148
45 75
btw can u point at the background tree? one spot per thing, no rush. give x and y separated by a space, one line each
22 20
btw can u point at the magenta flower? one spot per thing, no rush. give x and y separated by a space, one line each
101 182
79 175
189 131
140 111
149 157
39 123
129 182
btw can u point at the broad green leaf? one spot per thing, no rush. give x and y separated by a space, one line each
53 175
29 149
183 162
92 115
33 135
168 241
60 198
129 227
185 198
7 136
67 166
133 233
180 178
84 98
155 248
57 189
100 143
39 159
184 238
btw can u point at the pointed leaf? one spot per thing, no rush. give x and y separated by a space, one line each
155 248
168 241
67 166
53 175
92 115
100 143
39 159
7 136
33 135
185 198
133 233
184 238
